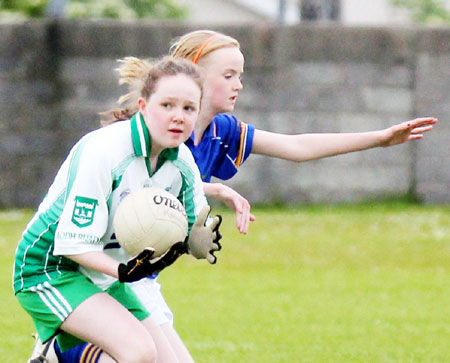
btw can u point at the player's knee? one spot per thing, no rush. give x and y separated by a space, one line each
140 351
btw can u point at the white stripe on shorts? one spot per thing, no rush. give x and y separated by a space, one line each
54 300
59 296
49 305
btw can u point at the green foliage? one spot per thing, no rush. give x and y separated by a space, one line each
156 8
114 9
342 284
426 11
29 8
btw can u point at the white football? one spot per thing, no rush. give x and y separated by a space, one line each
150 217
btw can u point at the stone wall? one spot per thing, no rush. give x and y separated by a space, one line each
55 77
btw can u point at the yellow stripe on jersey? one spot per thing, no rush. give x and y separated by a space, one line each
242 142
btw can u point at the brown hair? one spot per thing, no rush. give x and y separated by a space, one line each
197 44
142 76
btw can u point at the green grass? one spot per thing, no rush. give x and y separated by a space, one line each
365 283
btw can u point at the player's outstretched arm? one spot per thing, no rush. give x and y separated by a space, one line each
232 200
305 147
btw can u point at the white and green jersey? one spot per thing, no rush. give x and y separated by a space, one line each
77 213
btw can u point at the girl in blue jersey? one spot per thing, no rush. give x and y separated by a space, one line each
65 277
220 142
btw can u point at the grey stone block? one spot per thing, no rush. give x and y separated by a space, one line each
394 100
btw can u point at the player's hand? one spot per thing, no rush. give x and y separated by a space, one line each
234 201
240 205
408 130
204 239
136 268
143 265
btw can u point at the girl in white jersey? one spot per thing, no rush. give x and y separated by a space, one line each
69 270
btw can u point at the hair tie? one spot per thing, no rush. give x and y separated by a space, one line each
202 47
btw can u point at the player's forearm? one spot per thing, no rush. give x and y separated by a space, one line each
212 190
97 261
315 146
305 147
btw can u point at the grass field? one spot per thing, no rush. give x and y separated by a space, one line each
366 283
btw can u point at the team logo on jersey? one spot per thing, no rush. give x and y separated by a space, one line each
83 211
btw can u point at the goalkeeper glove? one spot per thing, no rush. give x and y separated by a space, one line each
143 266
204 239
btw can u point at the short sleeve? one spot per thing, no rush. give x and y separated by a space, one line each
85 215
237 142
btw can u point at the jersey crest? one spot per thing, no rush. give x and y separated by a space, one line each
83 211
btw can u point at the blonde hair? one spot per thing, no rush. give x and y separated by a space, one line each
199 43
142 76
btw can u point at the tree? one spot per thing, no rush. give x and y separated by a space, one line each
426 11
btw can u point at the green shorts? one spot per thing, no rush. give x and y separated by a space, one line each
51 302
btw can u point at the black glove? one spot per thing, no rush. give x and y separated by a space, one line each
143 266
204 239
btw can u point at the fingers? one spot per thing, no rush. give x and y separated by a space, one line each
216 245
217 235
423 121
243 215
211 258
415 137
240 222
214 226
241 207
418 127
421 130
203 216
426 120
408 130
217 220
243 220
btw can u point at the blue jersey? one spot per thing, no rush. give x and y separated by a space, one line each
226 144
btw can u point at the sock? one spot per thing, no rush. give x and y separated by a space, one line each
84 353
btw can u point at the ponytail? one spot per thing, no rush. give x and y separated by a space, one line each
132 72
